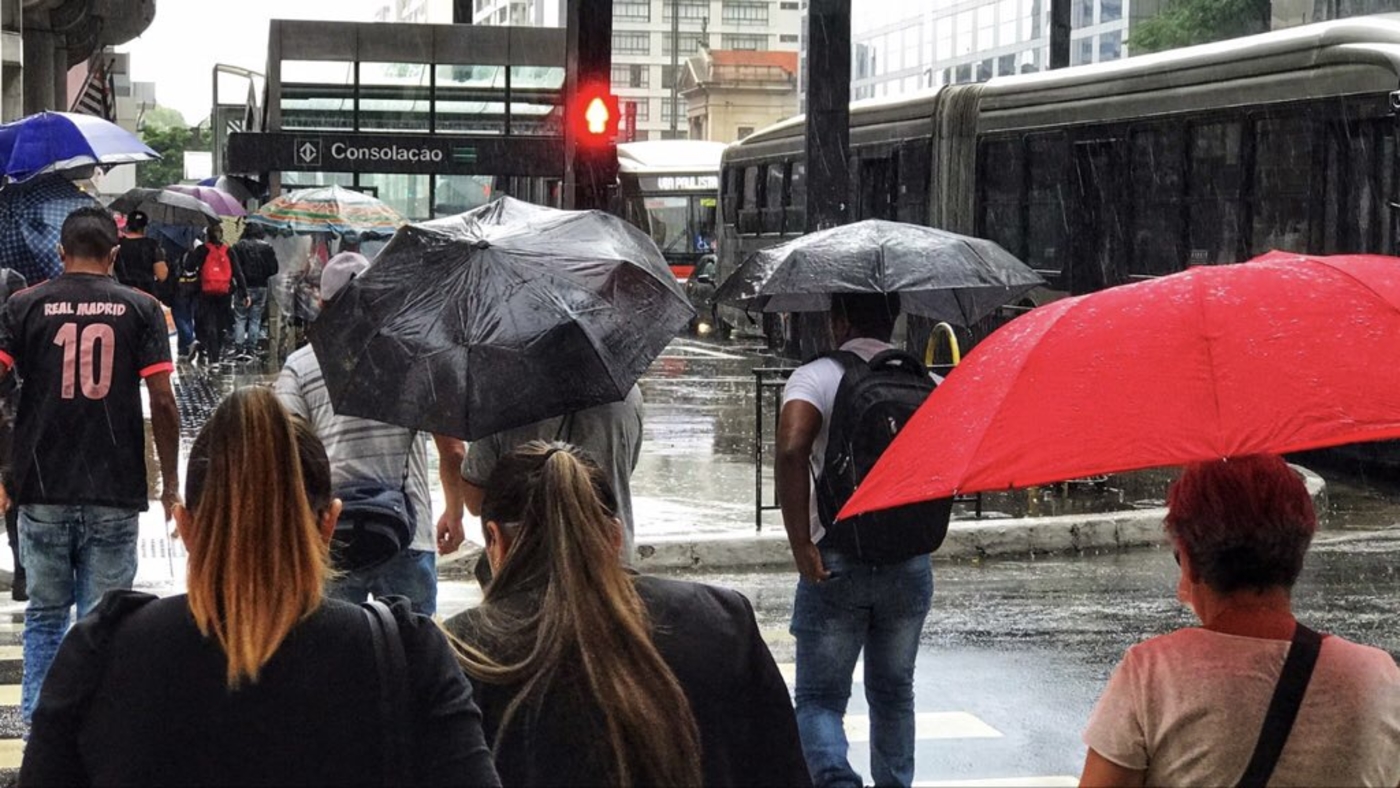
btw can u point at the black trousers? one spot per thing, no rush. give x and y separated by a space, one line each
212 319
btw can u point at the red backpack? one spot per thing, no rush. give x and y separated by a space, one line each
216 276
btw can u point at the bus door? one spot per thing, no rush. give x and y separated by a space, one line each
1096 228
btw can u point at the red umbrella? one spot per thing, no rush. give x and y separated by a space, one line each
1281 354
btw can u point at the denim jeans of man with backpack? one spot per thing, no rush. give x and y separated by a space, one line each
849 598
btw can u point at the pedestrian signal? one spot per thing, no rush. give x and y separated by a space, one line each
597 117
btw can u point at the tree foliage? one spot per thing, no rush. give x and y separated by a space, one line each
1186 22
171 143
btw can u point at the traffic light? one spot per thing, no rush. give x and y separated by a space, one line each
596 115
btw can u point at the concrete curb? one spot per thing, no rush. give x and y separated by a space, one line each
967 539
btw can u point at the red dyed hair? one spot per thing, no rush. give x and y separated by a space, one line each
1245 522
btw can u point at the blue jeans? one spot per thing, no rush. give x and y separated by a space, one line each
411 574
182 311
70 554
247 320
880 609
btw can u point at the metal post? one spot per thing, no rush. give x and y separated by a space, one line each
675 62
828 113
1060 27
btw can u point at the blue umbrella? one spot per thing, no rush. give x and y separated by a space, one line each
51 141
31 218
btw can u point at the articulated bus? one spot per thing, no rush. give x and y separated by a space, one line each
1114 172
670 189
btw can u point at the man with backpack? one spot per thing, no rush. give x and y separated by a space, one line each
257 260
219 276
865 584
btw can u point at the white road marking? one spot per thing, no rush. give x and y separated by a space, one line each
928 726
1049 781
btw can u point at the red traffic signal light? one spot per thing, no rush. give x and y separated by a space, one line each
596 115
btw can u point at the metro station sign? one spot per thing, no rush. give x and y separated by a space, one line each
396 153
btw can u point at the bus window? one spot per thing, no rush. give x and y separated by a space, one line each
1216 167
913 174
731 195
748 210
876 189
773 198
668 223
1155 178
702 222
797 198
1003 193
1047 228
1283 177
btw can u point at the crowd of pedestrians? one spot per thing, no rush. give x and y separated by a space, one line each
574 670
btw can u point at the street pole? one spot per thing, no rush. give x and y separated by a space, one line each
588 174
828 113
675 63
1060 27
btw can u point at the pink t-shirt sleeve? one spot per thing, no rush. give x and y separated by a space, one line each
1115 728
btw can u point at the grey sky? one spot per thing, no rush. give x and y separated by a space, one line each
178 52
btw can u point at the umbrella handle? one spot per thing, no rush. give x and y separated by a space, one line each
942 329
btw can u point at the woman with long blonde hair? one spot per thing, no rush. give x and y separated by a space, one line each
589 674
253 677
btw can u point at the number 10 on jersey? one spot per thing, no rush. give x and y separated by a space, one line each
79 355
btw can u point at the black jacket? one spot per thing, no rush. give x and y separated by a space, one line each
258 261
710 640
137 696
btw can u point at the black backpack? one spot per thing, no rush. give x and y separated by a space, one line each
873 403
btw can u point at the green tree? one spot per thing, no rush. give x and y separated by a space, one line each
163 117
1186 22
171 143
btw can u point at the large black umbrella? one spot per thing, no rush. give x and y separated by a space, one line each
498 318
166 207
937 274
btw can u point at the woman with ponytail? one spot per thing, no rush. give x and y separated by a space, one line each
588 674
253 677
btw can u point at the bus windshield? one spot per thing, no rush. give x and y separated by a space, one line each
681 225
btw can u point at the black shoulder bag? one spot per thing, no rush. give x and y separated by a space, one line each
377 522
1283 707
393 689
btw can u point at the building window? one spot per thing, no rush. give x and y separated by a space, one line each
746 42
689 43
744 13
631 43
1111 46
986 27
788 38
1082 52
631 75
787 6
1006 65
631 11
666 109
1110 10
693 10
743 131
1083 13
670 76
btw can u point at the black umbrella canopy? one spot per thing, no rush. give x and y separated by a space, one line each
937 274
498 318
166 207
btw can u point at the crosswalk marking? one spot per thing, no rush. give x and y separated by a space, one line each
929 725
11 753
10 653
9 694
1050 781
789 671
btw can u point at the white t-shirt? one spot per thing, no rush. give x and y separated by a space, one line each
816 383
1188 708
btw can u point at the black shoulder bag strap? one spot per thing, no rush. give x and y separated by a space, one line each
1283 707
565 433
393 689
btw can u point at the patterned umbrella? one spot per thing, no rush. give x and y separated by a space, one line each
31 217
329 209
223 203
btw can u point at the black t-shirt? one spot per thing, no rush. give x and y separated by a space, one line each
82 344
136 263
